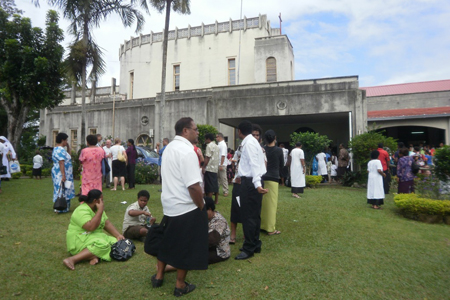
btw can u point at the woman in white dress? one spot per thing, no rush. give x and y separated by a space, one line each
7 151
297 164
322 166
375 190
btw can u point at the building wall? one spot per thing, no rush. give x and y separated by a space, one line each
418 100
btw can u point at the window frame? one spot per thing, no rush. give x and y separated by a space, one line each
271 70
175 74
231 69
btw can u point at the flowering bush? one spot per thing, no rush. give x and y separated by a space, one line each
145 173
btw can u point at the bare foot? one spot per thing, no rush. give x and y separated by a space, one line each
94 261
69 264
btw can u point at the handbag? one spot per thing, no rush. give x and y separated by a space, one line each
14 166
122 250
154 238
105 166
120 156
61 202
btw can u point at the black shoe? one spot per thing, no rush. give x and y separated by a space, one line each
186 290
156 283
243 255
257 250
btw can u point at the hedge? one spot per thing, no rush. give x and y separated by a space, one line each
313 180
16 175
414 205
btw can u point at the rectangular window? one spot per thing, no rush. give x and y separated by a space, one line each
231 71
54 134
176 77
74 139
131 85
93 131
271 69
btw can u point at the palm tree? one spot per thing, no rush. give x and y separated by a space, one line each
85 15
179 6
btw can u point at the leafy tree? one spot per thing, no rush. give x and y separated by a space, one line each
9 6
364 143
30 68
442 163
84 16
312 144
180 6
204 129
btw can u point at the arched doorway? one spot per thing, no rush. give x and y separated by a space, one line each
143 140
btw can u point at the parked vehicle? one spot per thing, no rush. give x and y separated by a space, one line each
146 155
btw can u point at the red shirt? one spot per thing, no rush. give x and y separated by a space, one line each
197 149
384 158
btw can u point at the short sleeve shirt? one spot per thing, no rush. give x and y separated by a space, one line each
115 150
134 220
178 164
223 152
212 152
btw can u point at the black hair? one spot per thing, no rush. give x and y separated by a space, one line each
269 136
131 141
281 145
183 123
380 145
298 144
401 145
61 137
374 154
91 196
416 148
404 151
258 128
144 193
209 203
91 140
209 136
245 127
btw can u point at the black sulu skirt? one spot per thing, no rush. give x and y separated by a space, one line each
119 168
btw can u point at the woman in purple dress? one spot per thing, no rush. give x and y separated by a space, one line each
131 166
405 176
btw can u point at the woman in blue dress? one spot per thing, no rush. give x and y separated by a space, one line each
62 171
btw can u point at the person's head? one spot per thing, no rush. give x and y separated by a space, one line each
108 143
219 137
416 149
270 136
281 145
380 145
186 128
165 141
341 146
61 138
91 140
404 151
209 137
2 140
400 145
38 152
374 154
257 132
130 142
441 144
244 129
143 197
99 138
116 141
210 207
298 144
92 197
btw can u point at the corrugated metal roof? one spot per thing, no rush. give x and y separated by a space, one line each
407 88
375 114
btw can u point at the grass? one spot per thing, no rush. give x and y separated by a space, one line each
332 246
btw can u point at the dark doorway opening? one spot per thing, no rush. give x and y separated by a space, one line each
416 135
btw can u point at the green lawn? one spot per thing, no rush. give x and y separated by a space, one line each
332 246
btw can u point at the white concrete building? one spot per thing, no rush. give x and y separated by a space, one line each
234 52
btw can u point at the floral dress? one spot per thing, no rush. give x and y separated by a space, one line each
91 158
59 153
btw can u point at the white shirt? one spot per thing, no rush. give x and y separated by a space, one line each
115 150
178 162
252 163
107 152
285 155
223 151
134 220
37 161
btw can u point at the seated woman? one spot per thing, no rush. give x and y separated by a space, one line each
85 237
219 235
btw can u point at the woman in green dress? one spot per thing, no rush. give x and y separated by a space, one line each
85 237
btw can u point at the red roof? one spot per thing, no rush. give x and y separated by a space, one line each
407 88
375 114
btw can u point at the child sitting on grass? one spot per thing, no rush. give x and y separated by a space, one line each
137 216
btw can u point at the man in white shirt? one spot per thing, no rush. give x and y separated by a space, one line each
185 242
108 154
99 140
223 151
211 167
251 169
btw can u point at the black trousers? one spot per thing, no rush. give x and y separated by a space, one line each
387 182
251 202
130 174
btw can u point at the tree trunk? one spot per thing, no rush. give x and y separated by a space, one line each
83 85
163 76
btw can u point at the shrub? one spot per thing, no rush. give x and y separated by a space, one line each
202 130
146 173
46 172
30 173
350 178
24 168
313 180
442 163
312 144
413 204
16 175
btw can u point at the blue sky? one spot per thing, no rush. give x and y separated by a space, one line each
383 41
